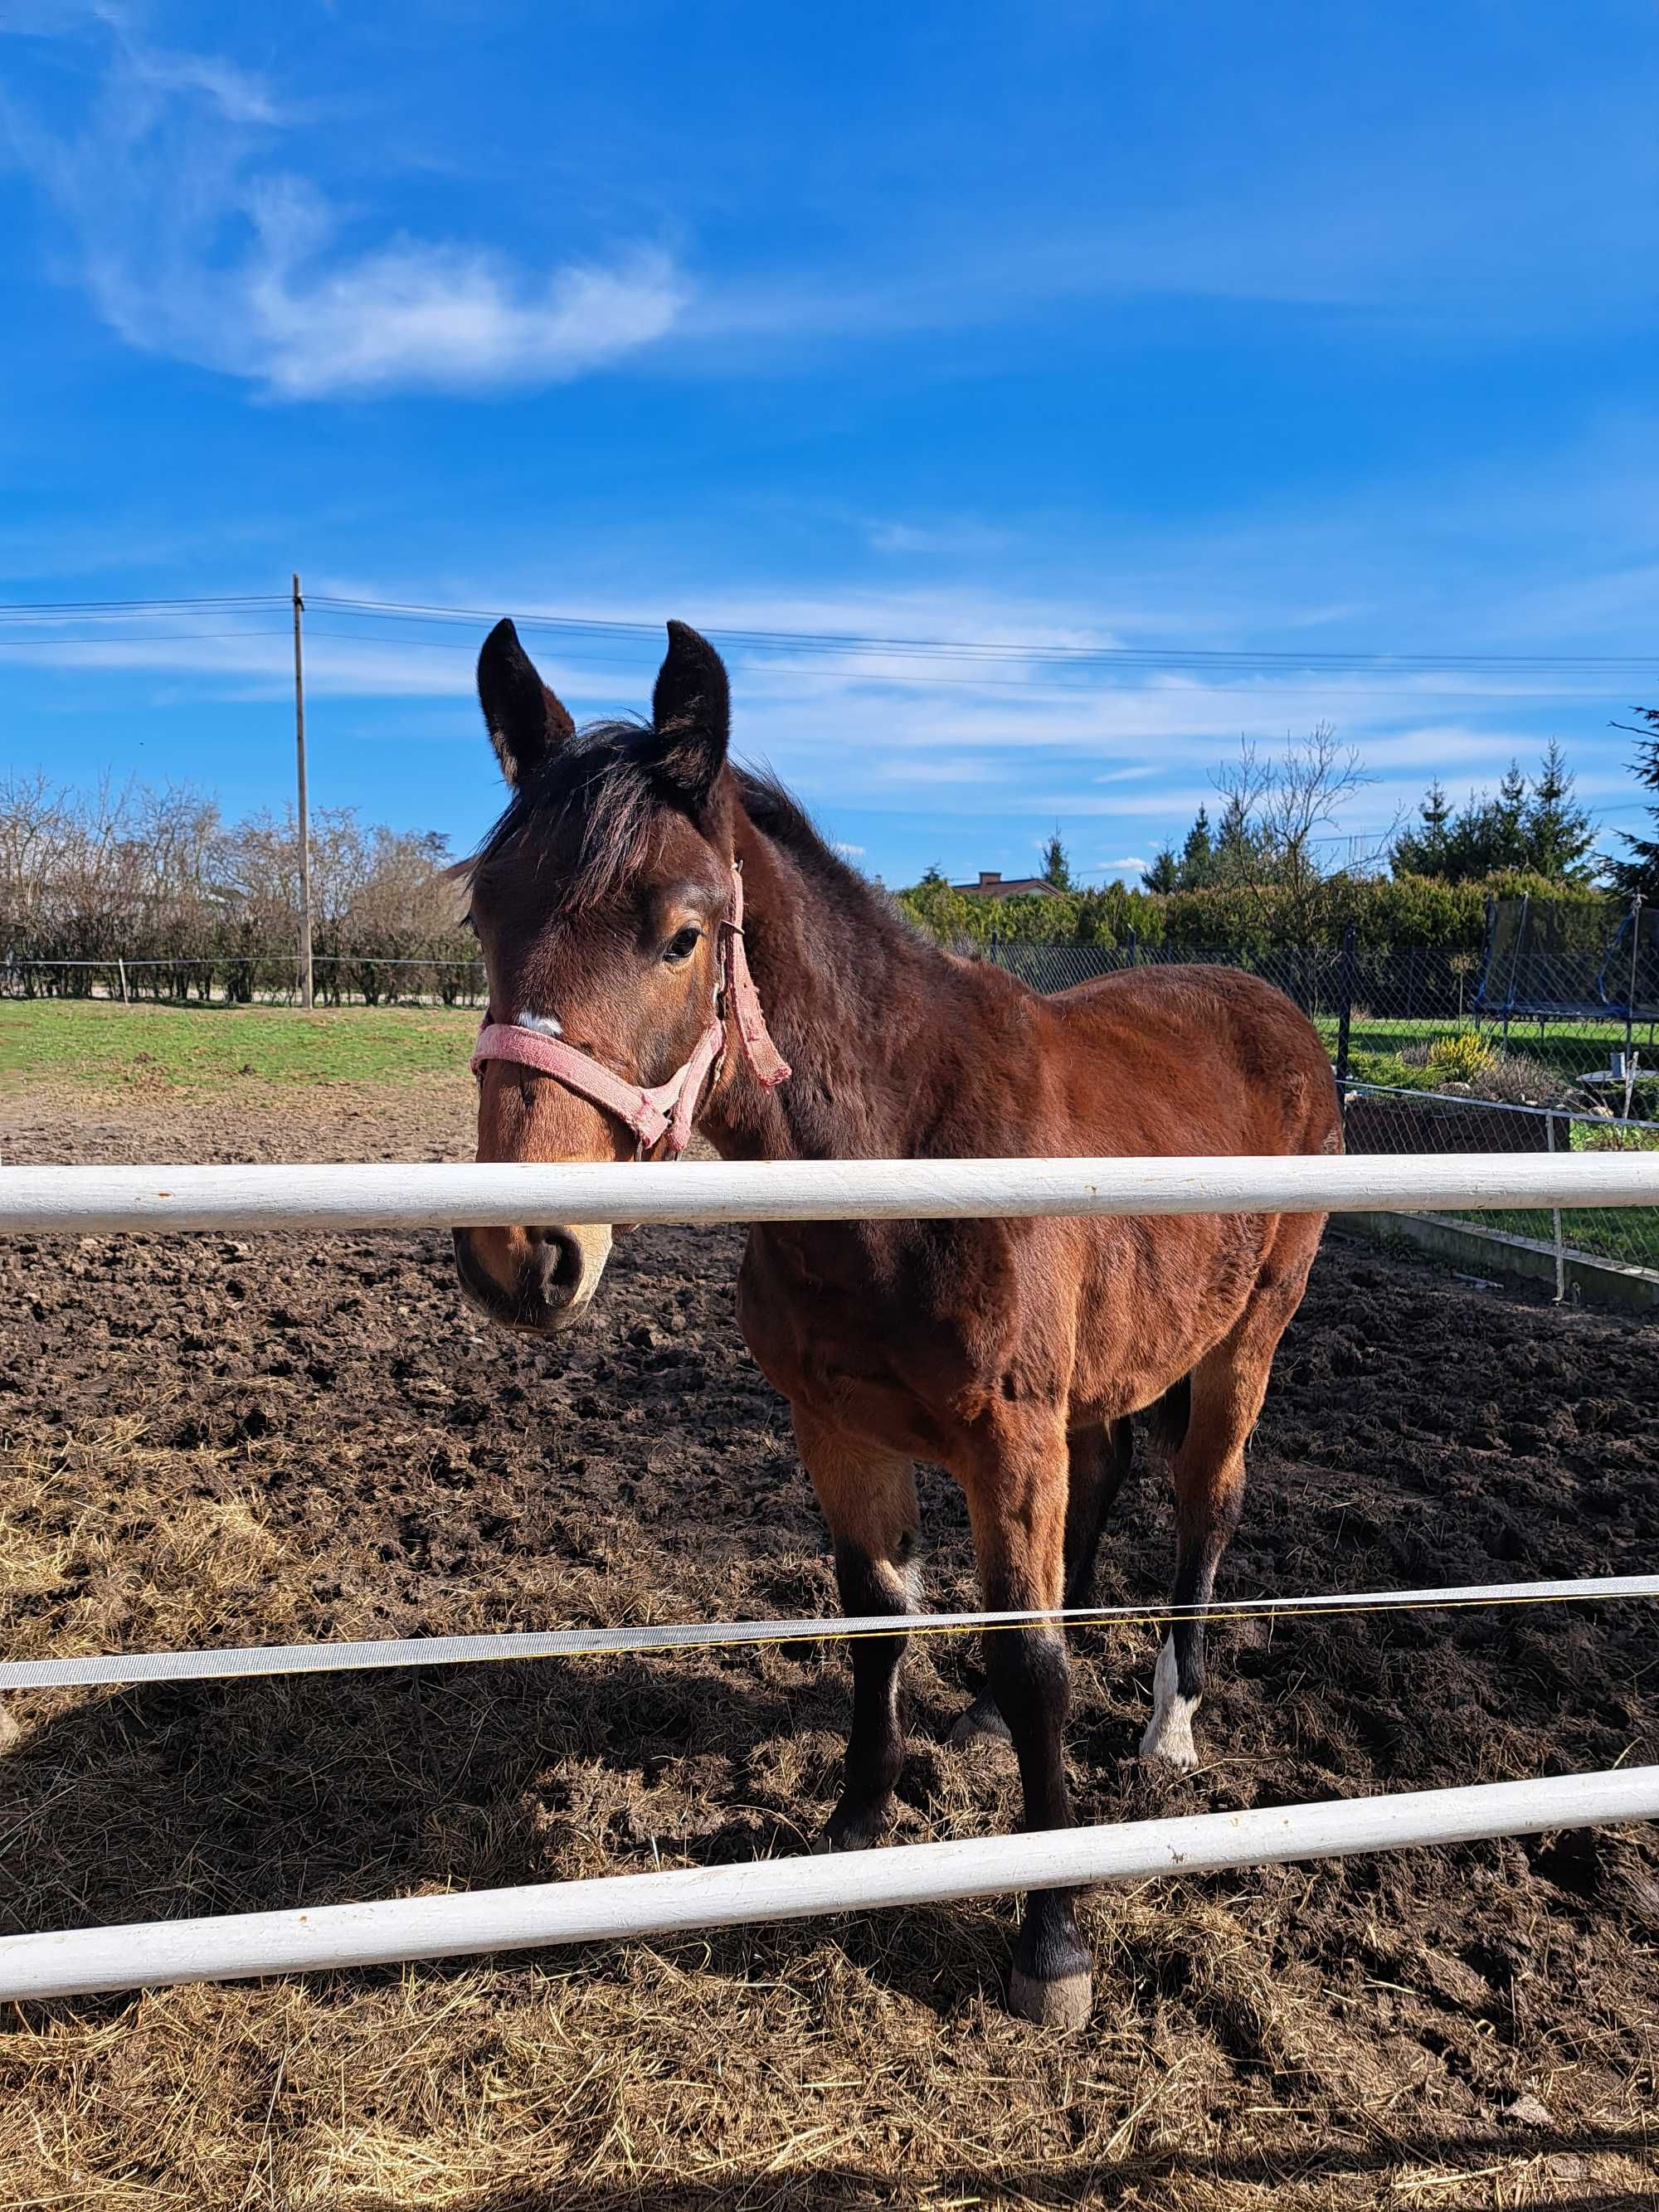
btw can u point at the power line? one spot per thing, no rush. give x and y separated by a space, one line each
1267 686
847 641
154 637
1199 658
1025 687
91 610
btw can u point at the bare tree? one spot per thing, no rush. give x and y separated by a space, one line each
197 905
1277 809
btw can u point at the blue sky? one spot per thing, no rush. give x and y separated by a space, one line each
1317 331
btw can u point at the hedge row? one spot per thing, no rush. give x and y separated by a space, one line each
1386 914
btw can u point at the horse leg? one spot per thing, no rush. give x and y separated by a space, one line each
1017 1504
1098 1459
869 1499
1226 1389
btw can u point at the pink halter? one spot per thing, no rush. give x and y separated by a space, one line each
665 1109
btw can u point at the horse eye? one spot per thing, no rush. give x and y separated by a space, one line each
681 944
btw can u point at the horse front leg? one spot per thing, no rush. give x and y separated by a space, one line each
869 1500
1017 1503
1099 1457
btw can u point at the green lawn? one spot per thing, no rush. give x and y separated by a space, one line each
1572 1048
1626 1233
209 1047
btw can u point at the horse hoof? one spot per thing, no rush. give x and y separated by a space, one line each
853 1831
982 1723
1063 2002
1169 1747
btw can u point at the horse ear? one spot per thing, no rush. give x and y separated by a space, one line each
526 721
691 711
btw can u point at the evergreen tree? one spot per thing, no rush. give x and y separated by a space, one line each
1197 867
1639 871
1232 844
1056 869
1558 832
1164 874
1508 819
1539 829
1423 851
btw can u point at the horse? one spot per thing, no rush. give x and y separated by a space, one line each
648 914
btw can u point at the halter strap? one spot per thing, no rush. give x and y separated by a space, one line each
663 1110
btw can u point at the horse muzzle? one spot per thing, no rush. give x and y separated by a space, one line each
541 1280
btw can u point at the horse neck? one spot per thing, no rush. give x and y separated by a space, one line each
856 1004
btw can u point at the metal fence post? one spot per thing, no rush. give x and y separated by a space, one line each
1344 1010
1555 1217
1629 994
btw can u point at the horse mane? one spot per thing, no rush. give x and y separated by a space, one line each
594 803
779 815
594 798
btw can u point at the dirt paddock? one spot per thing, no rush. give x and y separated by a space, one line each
300 1437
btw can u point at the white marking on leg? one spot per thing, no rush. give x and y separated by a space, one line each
900 1582
545 1025
1169 1732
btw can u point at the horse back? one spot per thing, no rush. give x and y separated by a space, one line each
1193 1061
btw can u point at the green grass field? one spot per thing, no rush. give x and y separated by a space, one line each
213 1048
1570 1048
1628 1233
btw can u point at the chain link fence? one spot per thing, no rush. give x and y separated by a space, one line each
1433 1055
1378 1119
1416 1015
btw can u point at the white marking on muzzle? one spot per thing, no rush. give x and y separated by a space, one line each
594 1241
549 1024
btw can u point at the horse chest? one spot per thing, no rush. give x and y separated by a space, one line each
841 1324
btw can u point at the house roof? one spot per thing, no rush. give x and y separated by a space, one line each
992 883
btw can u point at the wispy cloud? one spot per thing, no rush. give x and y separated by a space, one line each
958 538
193 239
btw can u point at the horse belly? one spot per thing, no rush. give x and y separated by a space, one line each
1158 1295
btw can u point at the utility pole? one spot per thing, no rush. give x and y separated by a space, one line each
305 820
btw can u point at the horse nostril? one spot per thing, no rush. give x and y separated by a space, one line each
556 1264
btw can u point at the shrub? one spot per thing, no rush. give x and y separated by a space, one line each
1463 1059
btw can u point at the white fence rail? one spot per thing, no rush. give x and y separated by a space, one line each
237 1663
95 1201
100 1200
236 1946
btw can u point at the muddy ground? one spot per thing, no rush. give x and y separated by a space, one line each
207 1439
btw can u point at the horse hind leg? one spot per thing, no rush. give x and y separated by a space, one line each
1098 1459
1224 1395
869 1500
1017 1504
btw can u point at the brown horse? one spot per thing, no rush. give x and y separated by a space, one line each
1011 1353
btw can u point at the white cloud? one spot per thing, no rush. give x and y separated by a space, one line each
851 852
192 241
413 313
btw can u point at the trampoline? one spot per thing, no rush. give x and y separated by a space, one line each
1570 960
